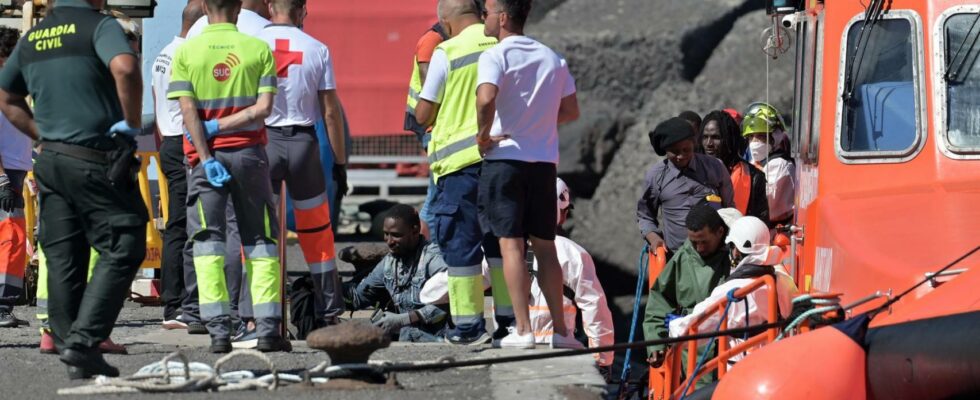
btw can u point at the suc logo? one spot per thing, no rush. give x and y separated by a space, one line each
222 71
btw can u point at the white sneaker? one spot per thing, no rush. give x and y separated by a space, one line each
565 342
172 324
514 340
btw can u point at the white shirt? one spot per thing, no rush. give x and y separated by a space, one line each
532 79
780 188
249 23
15 147
435 79
170 121
304 68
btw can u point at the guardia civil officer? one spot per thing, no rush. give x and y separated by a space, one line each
85 81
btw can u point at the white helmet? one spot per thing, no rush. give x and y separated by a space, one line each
564 197
749 235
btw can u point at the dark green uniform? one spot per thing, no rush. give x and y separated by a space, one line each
63 64
686 280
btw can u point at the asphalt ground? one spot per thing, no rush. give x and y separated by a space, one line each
25 373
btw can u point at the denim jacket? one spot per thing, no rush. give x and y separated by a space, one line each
396 278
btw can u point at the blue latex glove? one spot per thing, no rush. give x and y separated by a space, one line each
217 174
210 130
122 127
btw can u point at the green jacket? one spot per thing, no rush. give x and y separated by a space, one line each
686 280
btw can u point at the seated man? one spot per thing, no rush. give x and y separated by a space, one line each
699 265
750 249
400 276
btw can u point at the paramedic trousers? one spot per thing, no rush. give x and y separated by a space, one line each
234 270
81 208
463 244
251 193
294 157
13 249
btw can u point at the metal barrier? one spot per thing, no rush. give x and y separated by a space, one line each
667 378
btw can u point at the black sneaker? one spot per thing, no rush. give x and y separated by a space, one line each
196 328
272 344
220 345
480 338
7 320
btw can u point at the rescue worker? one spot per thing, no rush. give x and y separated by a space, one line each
721 139
769 149
226 84
170 126
699 265
525 91
252 19
581 291
400 276
307 91
424 49
748 242
673 186
15 162
448 101
83 77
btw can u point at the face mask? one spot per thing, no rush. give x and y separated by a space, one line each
759 151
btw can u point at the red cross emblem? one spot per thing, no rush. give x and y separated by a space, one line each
285 58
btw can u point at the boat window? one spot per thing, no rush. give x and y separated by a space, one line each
962 82
878 116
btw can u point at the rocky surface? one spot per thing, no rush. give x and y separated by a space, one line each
637 62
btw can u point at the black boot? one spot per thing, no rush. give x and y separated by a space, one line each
272 344
220 345
84 364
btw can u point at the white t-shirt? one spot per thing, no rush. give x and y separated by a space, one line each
170 121
435 79
532 79
249 23
304 68
15 147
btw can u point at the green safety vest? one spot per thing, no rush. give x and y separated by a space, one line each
414 87
453 145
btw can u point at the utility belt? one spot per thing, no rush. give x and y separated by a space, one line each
122 164
292 130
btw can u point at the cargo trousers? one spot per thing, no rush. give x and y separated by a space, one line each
251 193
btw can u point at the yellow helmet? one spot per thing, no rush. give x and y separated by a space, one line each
767 111
756 124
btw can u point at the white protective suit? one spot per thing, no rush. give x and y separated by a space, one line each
578 271
758 303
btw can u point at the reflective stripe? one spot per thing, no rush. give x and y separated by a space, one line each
311 203
18 213
413 94
248 128
212 248
467 319
227 102
213 310
504 311
467 271
453 148
261 251
180 86
268 81
495 262
12 280
466 60
42 303
267 310
323 267
410 110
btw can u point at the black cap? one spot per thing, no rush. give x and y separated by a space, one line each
669 132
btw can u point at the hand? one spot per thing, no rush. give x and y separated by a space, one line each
217 174
8 197
210 130
655 240
122 127
487 142
340 177
656 359
391 322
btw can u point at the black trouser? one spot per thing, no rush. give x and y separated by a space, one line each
175 234
80 209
